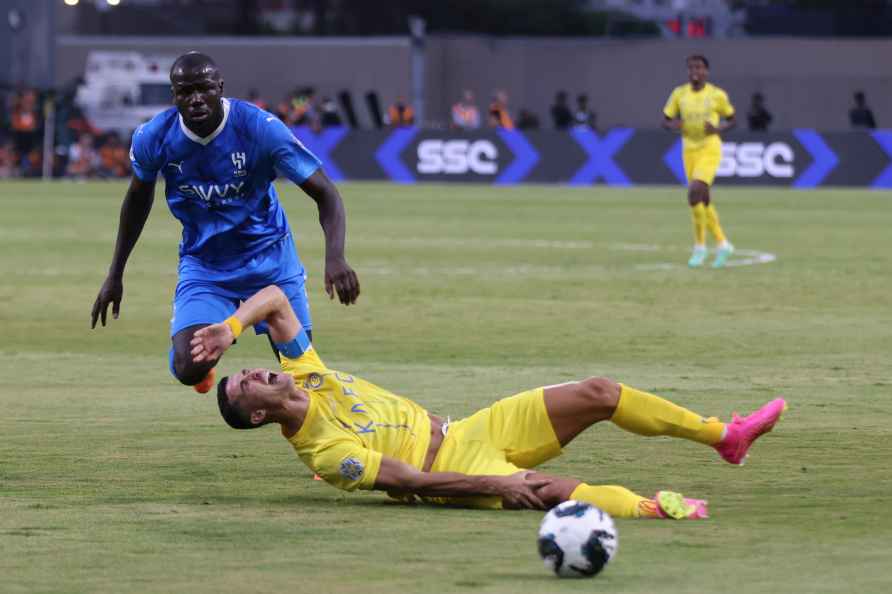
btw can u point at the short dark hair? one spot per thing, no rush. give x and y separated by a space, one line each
193 61
233 414
700 57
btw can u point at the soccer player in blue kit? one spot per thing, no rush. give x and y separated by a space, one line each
219 158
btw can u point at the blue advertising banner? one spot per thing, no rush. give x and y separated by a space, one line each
801 158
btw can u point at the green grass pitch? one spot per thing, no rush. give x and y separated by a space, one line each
113 478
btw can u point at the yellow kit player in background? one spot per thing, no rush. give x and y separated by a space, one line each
701 111
356 435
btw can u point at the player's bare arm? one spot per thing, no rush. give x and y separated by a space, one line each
727 124
518 490
134 211
339 276
268 305
671 124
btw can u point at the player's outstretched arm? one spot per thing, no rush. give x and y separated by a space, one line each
268 305
134 211
517 490
339 277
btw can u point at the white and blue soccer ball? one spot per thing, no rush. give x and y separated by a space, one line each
577 539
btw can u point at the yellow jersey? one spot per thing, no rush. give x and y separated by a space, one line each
351 423
695 108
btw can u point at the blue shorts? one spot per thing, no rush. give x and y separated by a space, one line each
206 295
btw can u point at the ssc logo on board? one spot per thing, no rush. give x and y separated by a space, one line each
457 157
755 159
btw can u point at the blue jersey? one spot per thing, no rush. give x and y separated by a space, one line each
220 187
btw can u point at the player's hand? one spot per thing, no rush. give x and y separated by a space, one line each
403 496
111 292
674 125
340 279
709 128
518 491
209 343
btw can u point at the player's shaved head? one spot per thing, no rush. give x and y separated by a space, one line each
232 413
194 64
197 89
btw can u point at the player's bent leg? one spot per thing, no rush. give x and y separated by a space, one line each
197 302
704 172
698 198
698 193
650 415
184 369
575 406
620 502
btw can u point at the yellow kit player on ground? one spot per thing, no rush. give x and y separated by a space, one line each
356 435
701 111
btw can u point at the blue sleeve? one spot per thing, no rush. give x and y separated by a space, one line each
143 157
290 157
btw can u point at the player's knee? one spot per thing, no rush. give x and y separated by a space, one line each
187 372
697 193
600 393
557 491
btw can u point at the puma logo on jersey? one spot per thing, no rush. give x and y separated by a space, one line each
207 192
177 166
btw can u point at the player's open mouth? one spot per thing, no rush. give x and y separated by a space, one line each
272 378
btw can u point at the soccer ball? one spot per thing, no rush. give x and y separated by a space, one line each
577 539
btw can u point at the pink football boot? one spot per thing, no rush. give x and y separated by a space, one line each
741 432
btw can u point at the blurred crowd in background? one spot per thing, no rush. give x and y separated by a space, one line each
81 151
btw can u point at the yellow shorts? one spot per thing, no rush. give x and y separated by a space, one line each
513 434
701 164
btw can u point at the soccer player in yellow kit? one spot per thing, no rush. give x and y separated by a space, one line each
356 435
701 111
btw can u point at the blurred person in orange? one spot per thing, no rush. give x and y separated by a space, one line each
401 114
498 112
465 115
83 159
113 158
25 121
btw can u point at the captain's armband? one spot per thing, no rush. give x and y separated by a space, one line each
295 347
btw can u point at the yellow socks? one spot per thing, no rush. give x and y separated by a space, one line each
712 222
646 414
617 501
698 213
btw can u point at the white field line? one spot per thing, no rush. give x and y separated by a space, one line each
476 271
740 257
477 243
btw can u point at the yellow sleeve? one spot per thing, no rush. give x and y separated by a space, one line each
723 105
347 465
671 109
